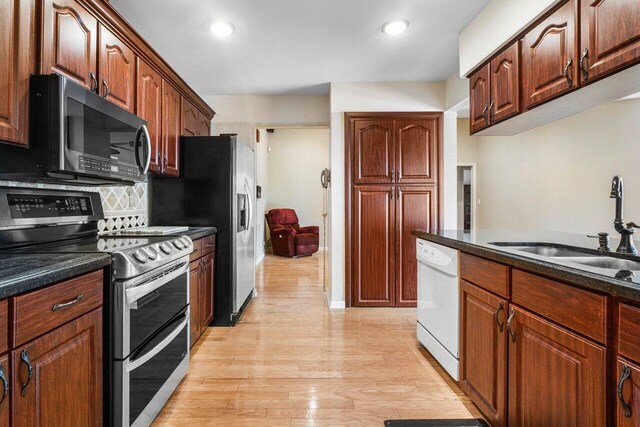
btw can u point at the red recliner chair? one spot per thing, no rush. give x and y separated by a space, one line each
288 238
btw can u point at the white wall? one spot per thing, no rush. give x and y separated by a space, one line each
262 179
558 177
296 159
271 110
371 97
498 22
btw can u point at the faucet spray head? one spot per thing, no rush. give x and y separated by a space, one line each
616 188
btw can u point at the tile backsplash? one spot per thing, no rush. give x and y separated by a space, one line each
124 207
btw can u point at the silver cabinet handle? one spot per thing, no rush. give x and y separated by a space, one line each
94 82
512 334
565 73
484 114
24 356
491 111
106 88
583 67
57 307
624 376
496 316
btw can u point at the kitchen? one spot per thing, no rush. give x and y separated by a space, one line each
129 291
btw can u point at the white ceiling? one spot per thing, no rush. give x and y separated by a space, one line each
291 47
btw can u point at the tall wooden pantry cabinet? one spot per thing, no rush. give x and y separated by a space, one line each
392 171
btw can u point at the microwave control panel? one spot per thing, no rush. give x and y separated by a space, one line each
93 165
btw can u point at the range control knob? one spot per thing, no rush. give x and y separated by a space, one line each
151 253
140 257
178 244
186 241
165 248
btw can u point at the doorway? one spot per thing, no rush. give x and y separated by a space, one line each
466 194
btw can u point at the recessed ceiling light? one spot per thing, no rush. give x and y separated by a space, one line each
223 28
395 27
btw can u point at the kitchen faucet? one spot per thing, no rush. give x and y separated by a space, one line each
626 230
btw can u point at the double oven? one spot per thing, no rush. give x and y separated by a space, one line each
151 340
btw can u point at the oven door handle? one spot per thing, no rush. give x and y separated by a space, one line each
135 293
157 349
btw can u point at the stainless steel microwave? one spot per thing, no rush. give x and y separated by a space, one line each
78 137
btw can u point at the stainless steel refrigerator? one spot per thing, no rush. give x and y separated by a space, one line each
216 188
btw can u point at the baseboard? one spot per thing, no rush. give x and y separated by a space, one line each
259 258
335 305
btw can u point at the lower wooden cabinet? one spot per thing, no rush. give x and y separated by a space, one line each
555 376
201 286
627 394
483 351
57 378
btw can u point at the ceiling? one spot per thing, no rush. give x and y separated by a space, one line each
296 47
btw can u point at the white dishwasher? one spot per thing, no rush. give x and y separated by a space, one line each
438 303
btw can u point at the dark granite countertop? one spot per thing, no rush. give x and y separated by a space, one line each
25 272
621 283
196 233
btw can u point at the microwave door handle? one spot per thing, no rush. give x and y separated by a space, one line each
136 149
148 138
157 349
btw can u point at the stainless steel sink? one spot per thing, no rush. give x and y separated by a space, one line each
607 262
542 249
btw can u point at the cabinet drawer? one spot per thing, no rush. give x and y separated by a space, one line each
583 311
197 250
40 311
208 244
489 275
629 332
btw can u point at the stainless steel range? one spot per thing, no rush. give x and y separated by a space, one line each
146 295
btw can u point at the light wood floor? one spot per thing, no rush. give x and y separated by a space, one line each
291 361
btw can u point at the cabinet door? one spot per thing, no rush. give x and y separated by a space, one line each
628 394
204 125
483 351
479 99
206 291
373 246
171 129
416 207
117 70
416 147
16 42
550 57
373 153
69 42
572 390
149 108
195 277
189 118
610 31
65 388
505 85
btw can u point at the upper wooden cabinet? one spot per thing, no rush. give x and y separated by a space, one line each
69 42
555 376
550 56
505 85
116 70
416 146
204 125
401 151
610 36
149 108
483 351
170 129
479 99
373 155
189 118
16 43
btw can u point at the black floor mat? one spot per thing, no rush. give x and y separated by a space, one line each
435 423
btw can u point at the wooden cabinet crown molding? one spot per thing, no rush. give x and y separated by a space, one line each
109 17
